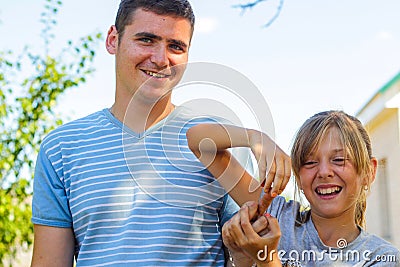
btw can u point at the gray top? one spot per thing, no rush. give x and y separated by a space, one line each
300 244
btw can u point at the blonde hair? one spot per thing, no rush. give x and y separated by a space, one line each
354 138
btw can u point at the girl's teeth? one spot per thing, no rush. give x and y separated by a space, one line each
325 191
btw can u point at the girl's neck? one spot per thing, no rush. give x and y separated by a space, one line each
332 230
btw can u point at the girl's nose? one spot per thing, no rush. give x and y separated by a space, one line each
325 170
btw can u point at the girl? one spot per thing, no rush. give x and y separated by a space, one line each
333 167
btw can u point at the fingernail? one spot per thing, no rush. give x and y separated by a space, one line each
267 214
274 194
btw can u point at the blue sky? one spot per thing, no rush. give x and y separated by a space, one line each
318 55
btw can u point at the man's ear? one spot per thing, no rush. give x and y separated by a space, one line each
112 40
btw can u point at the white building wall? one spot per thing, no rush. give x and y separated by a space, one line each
383 212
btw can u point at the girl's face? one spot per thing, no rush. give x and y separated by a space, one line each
329 179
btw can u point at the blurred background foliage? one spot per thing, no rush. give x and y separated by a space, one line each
30 86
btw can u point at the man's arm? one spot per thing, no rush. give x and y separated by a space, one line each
209 140
53 247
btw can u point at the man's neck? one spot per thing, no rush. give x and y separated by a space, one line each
141 116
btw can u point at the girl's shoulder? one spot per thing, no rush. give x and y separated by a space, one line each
372 240
377 249
286 209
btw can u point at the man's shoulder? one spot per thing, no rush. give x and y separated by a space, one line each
76 127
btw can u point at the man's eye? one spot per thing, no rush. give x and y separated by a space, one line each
145 40
176 47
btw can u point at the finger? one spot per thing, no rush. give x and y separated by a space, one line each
264 203
246 224
226 228
273 227
279 174
262 166
252 212
263 233
260 225
270 175
288 174
232 230
228 240
226 237
247 211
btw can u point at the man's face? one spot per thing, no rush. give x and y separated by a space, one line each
153 52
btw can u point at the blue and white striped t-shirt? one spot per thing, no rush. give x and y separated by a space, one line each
131 199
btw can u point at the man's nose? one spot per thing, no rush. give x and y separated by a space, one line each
160 56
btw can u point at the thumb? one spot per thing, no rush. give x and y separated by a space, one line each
252 209
273 226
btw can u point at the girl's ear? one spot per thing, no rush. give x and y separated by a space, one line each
372 176
299 185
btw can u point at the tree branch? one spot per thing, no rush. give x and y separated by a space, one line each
245 7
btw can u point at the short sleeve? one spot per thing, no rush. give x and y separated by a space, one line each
278 206
229 208
50 203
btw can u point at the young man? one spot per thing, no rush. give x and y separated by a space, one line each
120 187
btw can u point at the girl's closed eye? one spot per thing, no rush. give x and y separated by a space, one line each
339 160
309 163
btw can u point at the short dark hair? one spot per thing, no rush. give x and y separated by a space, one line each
176 8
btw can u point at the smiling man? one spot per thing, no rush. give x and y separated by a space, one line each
150 55
106 202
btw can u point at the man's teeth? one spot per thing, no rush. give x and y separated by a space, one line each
155 74
326 191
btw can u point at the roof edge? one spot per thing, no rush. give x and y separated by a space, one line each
379 92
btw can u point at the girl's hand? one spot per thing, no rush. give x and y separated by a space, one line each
257 241
274 165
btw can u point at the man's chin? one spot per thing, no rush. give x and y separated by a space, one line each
153 94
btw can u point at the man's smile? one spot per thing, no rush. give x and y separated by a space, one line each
156 74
